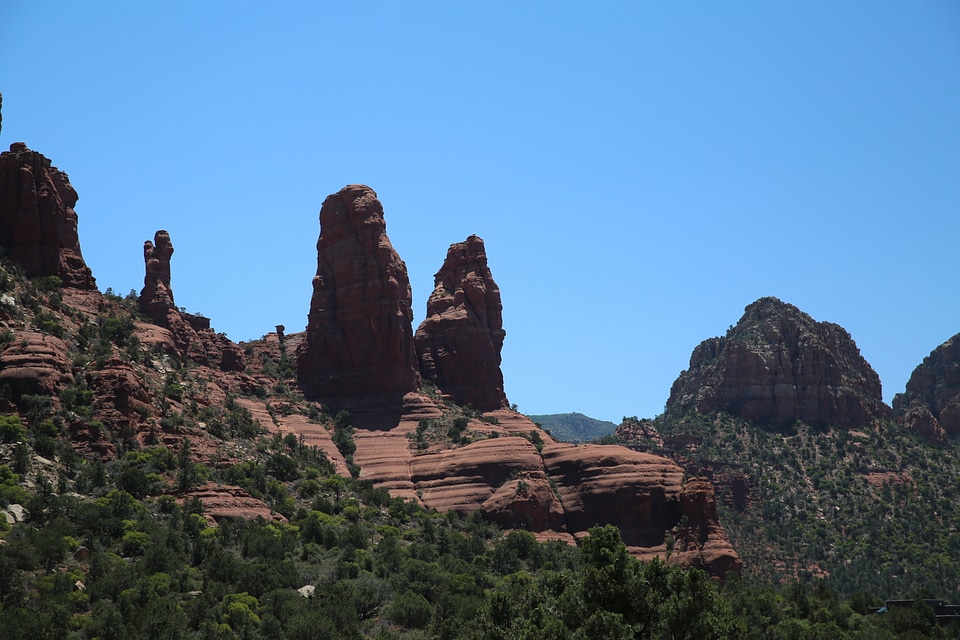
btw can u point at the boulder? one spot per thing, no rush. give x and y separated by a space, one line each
778 365
38 225
358 350
458 343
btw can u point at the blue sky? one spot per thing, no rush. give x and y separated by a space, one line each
639 171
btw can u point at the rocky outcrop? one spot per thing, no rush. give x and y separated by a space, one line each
558 492
778 365
226 502
700 541
647 498
35 363
38 226
156 297
192 335
359 344
121 399
930 404
458 343
643 430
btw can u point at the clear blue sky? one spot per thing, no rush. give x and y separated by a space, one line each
640 171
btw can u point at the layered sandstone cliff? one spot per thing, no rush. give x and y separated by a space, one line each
778 365
558 491
930 404
359 342
458 344
38 226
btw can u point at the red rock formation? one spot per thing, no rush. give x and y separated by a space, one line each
120 395
930 404
38 226
35 363
701 542
192 335
639 430
359 345
226 502
777 366
458 343
156 297
558 493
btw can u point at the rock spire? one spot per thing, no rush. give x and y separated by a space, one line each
458 343
359 341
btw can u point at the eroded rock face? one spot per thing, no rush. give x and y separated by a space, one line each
930 404
192 335
38 226
359 339
558 493
35 363
121 399
701 542
458 344
226 502
156 297
778 365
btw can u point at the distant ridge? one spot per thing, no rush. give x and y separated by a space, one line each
574 427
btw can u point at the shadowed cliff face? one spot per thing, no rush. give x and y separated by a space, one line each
38 226
359 332
458 343
930 404
778 365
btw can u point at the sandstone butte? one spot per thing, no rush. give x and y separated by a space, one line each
458 343
358 350
930 404
778 365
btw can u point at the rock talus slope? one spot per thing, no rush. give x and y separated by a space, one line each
458 343
930 404
359 345
778 365
38 226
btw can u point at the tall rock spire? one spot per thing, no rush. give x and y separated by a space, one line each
458 343
156 298
359 341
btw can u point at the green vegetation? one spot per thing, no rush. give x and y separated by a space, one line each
875 510
574 427
152 567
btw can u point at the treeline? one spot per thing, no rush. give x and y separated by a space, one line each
106 564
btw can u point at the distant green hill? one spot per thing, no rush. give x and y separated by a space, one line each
574 427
